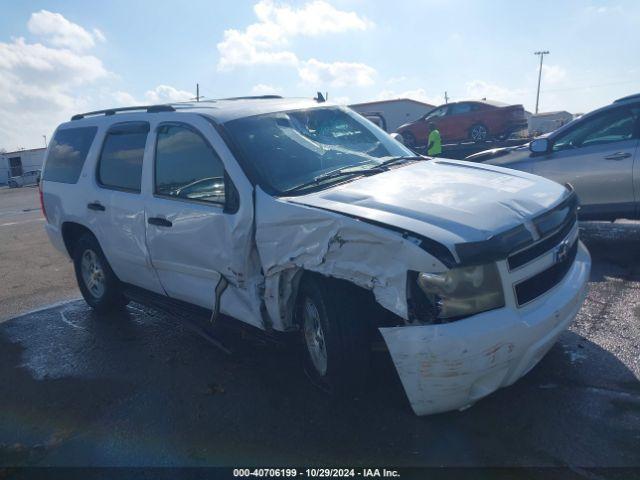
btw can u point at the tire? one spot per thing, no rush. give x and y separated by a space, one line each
335 335
478 133
505 135
98 284
409 139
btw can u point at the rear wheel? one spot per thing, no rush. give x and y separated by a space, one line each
335 335
478 133
98 284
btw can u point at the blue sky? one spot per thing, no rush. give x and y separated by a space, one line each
61 57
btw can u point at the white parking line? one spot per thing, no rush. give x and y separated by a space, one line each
46 307
19 223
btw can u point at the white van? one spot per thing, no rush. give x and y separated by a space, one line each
297 216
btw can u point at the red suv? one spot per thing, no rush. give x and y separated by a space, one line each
476 121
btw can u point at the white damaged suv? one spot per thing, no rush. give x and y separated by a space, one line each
297 216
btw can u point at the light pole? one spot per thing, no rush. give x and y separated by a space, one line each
45 140
542 54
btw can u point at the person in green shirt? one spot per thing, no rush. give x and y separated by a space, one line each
434 148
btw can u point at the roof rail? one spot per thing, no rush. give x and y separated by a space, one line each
635 96
254 97
113 111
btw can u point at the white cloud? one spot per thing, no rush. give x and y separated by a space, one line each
416 94
124 99
478 89
40 81
42 85
167 94
262 89
159 94
266 42
336 74
60 32
592 9
314 18
242 48
38 88
553 74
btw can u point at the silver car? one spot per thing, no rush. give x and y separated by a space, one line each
597 154
31 177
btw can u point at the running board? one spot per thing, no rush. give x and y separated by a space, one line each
196 318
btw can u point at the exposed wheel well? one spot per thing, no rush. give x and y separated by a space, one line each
71 232
376 314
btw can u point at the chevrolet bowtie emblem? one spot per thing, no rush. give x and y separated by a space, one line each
562 252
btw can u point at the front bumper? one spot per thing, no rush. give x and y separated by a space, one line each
450 366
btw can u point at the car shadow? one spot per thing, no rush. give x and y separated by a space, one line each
613 247
139 388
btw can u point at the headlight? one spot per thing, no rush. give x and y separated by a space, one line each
465 291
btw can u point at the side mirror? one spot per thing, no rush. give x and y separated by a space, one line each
397 137
539 145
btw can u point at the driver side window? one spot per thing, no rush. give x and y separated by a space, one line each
187 167
438 112
613 126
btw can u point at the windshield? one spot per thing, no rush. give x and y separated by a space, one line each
289 149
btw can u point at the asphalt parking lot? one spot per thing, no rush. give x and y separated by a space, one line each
32 272
139 388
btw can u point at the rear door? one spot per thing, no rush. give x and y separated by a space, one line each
115 207
458 121
597 157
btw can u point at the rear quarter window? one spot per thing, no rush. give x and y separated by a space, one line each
67 153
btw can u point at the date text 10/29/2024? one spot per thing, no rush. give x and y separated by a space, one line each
315 472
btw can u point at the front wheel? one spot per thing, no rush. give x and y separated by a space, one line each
408 139
98 284
335 335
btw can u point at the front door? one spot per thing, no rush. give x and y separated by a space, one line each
596 157
190 234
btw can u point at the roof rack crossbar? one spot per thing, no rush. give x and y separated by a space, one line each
254 97
113 111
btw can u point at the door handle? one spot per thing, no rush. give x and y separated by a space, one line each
618 156
96 206
159 221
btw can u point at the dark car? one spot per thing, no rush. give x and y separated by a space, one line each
473 120
594 153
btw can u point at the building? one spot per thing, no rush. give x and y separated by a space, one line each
13 164
390 114
548 121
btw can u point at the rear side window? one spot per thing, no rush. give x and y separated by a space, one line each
67 153
460 108
187 167
120 164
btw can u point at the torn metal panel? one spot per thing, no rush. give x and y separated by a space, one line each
291 237
450 366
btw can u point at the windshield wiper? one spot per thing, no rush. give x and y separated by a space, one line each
406 158
340 172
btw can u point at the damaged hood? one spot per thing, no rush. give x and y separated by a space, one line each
448 201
